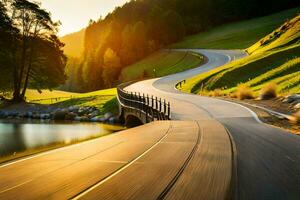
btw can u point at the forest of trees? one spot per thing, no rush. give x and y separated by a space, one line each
140 27
31 54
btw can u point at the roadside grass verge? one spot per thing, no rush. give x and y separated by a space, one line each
238 35
161 63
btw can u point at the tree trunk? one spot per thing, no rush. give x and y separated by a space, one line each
17 97
26 82
15 78
31 55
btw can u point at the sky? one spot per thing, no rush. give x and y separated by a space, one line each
75 14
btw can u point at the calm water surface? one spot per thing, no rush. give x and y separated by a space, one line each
19 136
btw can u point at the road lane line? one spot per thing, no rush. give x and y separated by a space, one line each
15 186
122 168
185 164
68 165
254 115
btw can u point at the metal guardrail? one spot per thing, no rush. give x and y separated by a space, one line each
150 107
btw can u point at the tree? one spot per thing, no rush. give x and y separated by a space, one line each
7 31
154 21
35 53
111 67
140 39
173 27
47 68
127 53
92 73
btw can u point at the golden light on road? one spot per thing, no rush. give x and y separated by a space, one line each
75 14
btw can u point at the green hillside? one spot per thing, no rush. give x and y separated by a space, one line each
274 58
161 63
238 35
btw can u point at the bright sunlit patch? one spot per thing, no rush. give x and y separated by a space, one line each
75 14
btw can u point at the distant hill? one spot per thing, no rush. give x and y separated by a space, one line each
74 43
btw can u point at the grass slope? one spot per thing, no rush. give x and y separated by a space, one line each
104 100
238 35
274 58
164 62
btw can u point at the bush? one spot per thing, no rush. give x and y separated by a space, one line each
296 118
216 93
244 92
233 95
269 91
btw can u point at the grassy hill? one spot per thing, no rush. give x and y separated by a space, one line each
74 43
161 63
275 58
238 35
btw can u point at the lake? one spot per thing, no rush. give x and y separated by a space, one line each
17 137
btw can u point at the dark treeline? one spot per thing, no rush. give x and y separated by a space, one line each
30 52
140 27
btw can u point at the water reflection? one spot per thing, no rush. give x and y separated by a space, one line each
17 137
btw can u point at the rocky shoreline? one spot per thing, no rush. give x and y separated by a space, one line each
72 113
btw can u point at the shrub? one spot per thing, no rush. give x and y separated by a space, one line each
233 95
244 92
269 91
216 93
296 118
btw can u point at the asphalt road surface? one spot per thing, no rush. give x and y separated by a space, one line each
268 158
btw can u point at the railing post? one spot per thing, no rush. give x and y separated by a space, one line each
169 110
152 101
165 107
131 98
159 104
147 99
147 108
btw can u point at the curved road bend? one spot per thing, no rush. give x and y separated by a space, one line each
268 158
168 160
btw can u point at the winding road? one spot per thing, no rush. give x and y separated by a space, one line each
268 158
212 150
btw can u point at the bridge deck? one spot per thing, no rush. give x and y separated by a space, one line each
170 159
